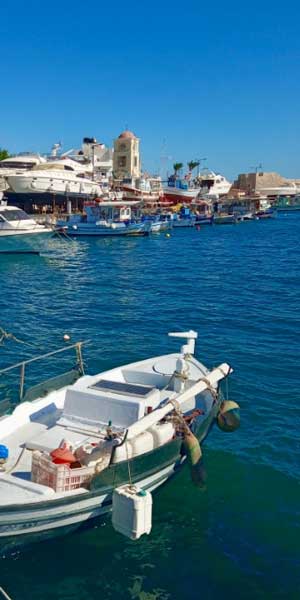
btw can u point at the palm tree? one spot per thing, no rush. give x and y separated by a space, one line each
193 164
3 154
177 167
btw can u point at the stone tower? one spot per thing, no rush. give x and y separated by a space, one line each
126 160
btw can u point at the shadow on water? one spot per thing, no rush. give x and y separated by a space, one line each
221 542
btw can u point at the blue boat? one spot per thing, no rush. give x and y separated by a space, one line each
106 219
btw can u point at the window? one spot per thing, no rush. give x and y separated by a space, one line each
122 146
16 165
14 215
135 161
122 161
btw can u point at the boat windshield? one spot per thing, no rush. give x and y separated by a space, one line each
14 215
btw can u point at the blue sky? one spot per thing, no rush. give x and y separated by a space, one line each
215 80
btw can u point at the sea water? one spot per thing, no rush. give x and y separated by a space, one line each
239 287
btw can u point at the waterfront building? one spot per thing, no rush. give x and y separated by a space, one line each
266 183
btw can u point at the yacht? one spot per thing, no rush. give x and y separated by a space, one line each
18 164
19 232
212 185
64 177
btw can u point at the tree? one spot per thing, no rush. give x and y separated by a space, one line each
193 164
3 154
177 167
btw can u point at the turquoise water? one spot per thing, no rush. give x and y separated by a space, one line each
239 286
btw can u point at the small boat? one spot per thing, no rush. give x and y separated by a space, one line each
74 439
225 219
184 218
158 223
111 218
19 232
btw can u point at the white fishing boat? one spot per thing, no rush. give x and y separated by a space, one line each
111 218
73 441
20 232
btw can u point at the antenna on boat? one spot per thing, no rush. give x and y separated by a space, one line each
190 336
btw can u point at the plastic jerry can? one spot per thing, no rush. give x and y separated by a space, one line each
162 433
142 443
132 511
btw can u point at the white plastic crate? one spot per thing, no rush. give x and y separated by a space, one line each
58 477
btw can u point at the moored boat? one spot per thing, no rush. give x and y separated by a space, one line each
19 232
159 223
111 218
69 444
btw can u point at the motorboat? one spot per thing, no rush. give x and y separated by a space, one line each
18 164
19 231
57 177
72 441
107 218
212 185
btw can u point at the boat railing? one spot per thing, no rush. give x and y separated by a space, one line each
51 384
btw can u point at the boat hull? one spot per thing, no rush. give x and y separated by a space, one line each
50 518
176 195
130 230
